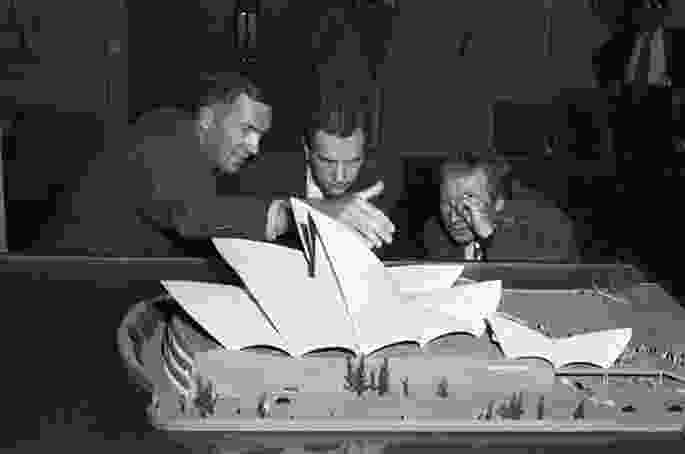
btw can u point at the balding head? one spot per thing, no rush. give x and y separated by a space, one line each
487 173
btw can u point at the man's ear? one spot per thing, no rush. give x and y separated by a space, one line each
361 136
499 204
206 117
307 150
305 145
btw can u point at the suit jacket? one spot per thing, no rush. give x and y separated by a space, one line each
284 172
281 168
530 232
157 197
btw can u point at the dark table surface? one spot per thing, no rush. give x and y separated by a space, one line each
529 275
63 370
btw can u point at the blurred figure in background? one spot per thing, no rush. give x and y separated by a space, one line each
642 72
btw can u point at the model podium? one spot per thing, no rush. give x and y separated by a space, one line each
459 390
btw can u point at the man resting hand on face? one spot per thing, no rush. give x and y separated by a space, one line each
475 224
469 202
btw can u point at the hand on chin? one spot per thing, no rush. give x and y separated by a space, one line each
461 235
232 166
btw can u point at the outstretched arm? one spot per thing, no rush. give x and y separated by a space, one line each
181 195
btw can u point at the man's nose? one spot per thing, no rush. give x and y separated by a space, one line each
339 173
252 143
454 214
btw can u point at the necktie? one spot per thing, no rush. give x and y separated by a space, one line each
469 251
478 252
474 251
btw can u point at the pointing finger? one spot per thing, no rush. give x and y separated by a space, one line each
370 244
368 236
378 220
371 191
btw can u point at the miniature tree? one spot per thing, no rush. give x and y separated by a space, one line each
490 411
511 409
442 388
481 414
383 378
360 377
356 380
405 386
350 378
517 406
263 406
541 407
206 398
579 412
503 409
350 372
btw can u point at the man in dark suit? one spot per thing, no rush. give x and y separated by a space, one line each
334 160
338 160
475 223
160 198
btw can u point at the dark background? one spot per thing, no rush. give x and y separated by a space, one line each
78 97
506 90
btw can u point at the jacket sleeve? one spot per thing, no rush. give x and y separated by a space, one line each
437 244
389 170
562 233
180 194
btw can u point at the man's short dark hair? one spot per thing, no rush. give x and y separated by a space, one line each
338 113
496 169
223 88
